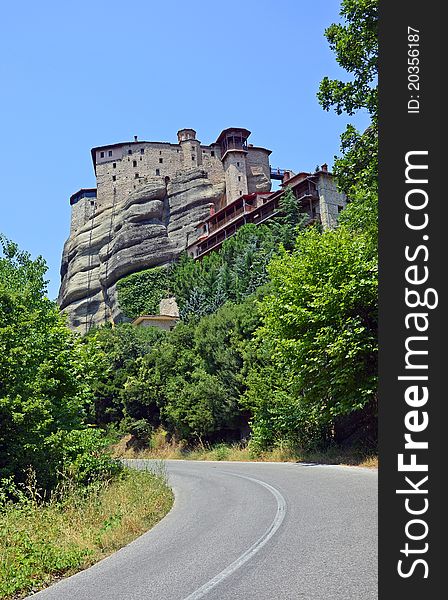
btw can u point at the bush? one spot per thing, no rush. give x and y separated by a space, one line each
40 542
85 459
140 293
318 342
45 375
121 348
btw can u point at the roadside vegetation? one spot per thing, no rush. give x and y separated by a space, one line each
160 449
41 542
65 502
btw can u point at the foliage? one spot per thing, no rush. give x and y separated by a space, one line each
318 339
232 273
45 376
85 459
201 287
120 348
277 415
237 269
356 47
75 528
289 222
140 293
192 380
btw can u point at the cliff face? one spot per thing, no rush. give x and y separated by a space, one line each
147 228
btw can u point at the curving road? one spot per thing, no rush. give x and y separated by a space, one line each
274 531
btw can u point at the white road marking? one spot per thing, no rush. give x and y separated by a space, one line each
256 547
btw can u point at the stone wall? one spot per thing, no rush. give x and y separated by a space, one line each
258 170
235 174
134 164
82 210
331 202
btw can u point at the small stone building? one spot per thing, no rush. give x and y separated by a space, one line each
166 319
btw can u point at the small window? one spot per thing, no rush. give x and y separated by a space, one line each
110 152
142 150
160 151
136 176
241 193
114 178
134 163
340 208
92 202
101 154
212 153
160 160
192 157
157 171
114 165
237 164
140 158
129 151
239 177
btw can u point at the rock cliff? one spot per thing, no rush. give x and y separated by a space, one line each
147 228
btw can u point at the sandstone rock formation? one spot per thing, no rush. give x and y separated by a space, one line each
147 228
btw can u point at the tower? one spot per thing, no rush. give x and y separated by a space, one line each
191 148
83 204
233 144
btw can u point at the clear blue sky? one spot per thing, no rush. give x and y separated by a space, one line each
81 74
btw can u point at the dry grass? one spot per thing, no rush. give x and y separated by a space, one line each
41 542
160 449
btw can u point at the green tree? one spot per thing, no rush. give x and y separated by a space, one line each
319 331
290 221
201 287
192 380
120 347
355 44
45 376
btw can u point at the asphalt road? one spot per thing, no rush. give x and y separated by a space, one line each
277 531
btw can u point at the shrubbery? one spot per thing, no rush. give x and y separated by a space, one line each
45 382
191 380
140 293
319 335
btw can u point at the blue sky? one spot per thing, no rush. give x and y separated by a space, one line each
81 74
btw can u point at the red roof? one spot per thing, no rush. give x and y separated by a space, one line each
224 132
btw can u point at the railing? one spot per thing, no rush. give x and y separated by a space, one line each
277 173
233 144
222 222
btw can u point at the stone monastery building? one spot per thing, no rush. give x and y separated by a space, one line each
154 200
